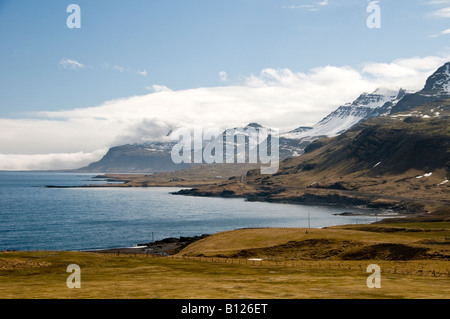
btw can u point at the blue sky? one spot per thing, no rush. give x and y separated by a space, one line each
185 44
201 52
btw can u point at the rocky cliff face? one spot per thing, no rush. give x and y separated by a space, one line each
439 81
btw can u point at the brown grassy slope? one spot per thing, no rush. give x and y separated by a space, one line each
356 242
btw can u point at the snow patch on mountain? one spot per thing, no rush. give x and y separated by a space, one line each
367 105
446 86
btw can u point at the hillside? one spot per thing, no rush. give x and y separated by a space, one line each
400 162
137 158
415 241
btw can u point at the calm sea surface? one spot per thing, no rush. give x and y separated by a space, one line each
34 217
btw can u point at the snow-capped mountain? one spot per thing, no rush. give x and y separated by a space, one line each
242 139
148 157
437 87
248 143
156 157
367 105
439 81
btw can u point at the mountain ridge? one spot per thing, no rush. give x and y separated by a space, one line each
155 156
399 162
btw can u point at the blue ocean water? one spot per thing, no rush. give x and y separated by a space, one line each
33 217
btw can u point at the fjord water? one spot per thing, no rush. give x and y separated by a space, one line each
33 217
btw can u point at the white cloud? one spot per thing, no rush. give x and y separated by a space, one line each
223 76
142 72
312 6
59 135
158 88
409 73
277 98
441 9
107 66
70 64
445 32
442 13
444 8
121 69
14 162
73 64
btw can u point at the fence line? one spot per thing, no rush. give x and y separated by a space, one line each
300 264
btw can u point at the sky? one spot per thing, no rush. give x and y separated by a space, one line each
135 69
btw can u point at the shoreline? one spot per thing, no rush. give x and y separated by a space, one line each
400 207
392 210
164 247
334 235
396 208
171 246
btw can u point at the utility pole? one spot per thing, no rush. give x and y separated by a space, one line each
309 221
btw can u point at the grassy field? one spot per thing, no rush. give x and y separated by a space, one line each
108 276
225 274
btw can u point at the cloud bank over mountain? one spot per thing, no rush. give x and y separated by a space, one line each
277 98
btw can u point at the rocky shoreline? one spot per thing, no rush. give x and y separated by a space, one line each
407 208
165 247
332 198
400 209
